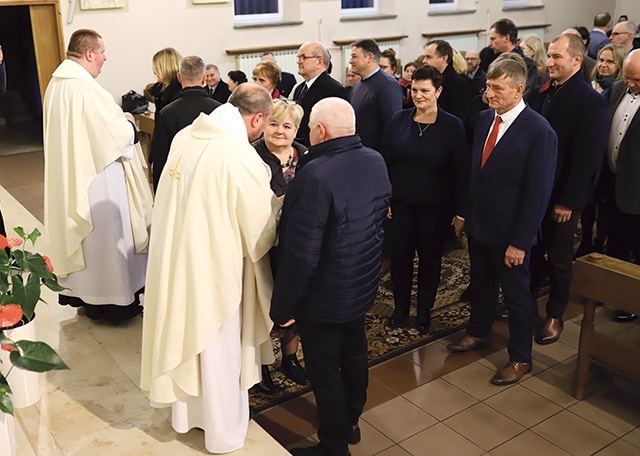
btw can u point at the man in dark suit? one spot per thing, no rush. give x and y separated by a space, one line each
503 37
216 88
598 37
288 81
513 161
579 116
313 61
180 113
457 89
477 75
623 167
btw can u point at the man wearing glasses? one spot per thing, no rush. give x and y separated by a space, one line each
623 34
313 61
477 75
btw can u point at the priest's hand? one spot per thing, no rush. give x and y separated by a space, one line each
130 117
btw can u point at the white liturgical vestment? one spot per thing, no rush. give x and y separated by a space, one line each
208 290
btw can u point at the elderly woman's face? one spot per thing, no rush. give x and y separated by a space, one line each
264 81
280 134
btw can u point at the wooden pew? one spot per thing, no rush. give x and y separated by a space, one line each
601 279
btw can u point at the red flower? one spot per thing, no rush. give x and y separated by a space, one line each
10 314
48 263
7 347
3 242
15 242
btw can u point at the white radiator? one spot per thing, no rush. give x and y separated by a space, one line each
463 42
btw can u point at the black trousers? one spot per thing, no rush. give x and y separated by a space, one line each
416 228
488 273
335 357
556 240
624 235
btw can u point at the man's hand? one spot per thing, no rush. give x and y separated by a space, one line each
130 117
1 56
458 226
288 323
389 213
561 213
513 257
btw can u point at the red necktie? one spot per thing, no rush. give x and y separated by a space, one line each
491 142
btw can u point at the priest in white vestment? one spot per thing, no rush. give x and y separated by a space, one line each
97 199
206 324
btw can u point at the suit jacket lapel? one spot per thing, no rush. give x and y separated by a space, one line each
508 136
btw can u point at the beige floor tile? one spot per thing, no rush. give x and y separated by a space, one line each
554 385
437 359
569 366
474 380
571 333
82 345
440 440
574 434
605 324
440 399
279 425
630 336
528 444
377 394
633 437
398 419
373 441
395 450
484 426
164 449
553 353
401 375
611 410
303 412
619 448
32 434
523 406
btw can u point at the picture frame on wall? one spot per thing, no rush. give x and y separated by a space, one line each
101 4
200 2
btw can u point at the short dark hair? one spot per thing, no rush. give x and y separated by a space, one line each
368 46
428 73
81 41
237 76
442 48
391 55
601 19
506 27
584 33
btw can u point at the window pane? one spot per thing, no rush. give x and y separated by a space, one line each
255 6
357 4
435 2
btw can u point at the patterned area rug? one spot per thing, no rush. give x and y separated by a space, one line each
448 315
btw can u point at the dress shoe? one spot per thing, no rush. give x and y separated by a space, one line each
266 385
550 332
291 368
396 319
469 343
423 325
511 373
502 314
314 451
355 436
622 317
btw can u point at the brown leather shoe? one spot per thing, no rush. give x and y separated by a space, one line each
511 373
469 343
550 332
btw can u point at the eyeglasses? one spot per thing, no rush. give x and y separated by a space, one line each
473 59
306 57
614 34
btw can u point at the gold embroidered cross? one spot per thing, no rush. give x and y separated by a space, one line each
173 172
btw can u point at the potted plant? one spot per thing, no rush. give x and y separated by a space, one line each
22 274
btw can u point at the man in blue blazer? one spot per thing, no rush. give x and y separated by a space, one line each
513 163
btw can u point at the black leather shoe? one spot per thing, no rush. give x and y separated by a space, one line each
355 436
502 314
266 385
313 451
623 317
291 368
396 319
423 325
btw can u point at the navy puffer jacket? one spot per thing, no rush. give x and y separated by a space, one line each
331 234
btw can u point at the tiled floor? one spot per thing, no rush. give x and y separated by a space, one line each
427 402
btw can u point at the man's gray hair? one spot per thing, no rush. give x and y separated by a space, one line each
628 27
336 115
513 70
192 69
251 98
211 65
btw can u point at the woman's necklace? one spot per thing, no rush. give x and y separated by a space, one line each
422 130
289 162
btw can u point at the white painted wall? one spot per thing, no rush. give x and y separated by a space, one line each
133 34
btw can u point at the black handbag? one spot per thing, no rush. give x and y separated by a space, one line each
134 103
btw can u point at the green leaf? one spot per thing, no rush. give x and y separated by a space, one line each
4 385
6 405
5 271
52 284
20 231
36 357
34 235
27 295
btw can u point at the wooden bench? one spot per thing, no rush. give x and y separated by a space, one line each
614 283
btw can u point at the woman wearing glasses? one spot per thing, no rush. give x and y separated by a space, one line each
278 150
428 160
608 68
